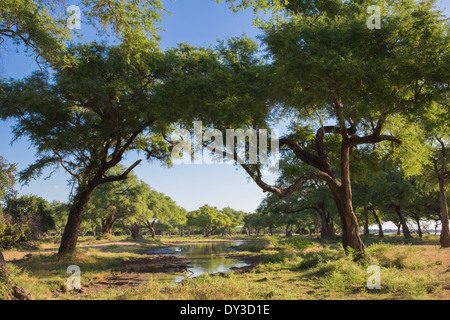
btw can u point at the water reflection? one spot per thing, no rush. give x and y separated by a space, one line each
204 259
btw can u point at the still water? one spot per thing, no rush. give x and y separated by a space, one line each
203 257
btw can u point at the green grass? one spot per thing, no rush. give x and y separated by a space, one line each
291 268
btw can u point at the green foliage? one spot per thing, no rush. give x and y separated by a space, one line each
211 220
7 179
42 25
149 206
33 210
113 200
13 233
89 105
59 212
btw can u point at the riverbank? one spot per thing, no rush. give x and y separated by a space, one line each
278 268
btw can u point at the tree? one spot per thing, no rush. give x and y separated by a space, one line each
86 119
42 26
235 219
59 211
359 86
113 201
313 196
31 23
209 219
150 206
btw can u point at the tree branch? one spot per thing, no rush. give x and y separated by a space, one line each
123 176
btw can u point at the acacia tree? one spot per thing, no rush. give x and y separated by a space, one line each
43 26
314 195
209 219
87 118
59 212
112 201
357 84
150 206
235 219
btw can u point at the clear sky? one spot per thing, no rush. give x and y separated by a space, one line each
198 22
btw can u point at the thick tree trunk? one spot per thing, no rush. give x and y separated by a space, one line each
350 228
405 228
445 229
70 235
16 292
343 199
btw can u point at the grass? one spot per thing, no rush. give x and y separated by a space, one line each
290 268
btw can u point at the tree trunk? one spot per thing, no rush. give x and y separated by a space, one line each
419 228
136 231
366 222
151 227
327 225
380 227
208 232
16 292
351 240
405 228
108 223
445 229
343 199
350 227
70 235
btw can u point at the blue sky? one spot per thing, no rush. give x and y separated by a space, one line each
198 22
